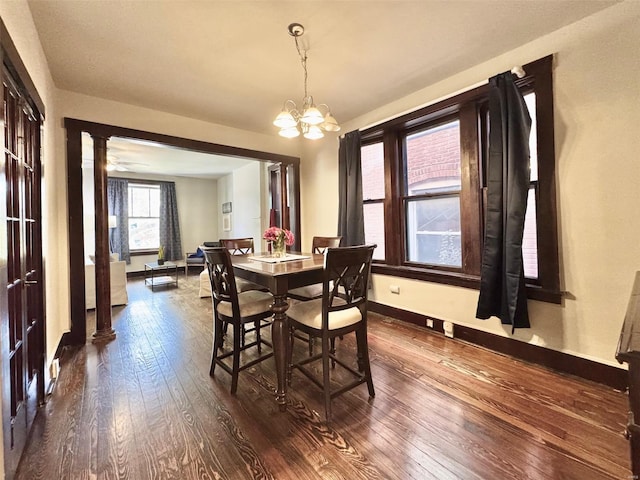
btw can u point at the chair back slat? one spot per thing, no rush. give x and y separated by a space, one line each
221 276
238 246
320 244
346 276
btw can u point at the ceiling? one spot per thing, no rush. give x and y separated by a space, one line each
234 63
141 156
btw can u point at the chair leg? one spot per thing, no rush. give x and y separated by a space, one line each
311 341
236 357
217 343
333 351
363 358
226 325
257 325
290 354
326 379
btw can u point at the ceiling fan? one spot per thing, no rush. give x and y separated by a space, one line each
114 164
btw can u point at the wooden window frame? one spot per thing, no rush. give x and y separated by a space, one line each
467 107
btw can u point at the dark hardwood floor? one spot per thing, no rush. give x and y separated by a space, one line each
144 407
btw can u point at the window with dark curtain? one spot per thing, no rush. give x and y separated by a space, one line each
428 217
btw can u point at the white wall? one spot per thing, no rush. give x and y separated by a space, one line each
244 189
597 111
247 201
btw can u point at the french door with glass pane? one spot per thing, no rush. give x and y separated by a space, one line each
21 303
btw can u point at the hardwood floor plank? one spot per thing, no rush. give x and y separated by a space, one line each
144 407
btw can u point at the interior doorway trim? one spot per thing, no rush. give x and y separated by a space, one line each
74 129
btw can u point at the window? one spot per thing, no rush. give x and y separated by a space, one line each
432 195
372 158
529 239
427 212
144 216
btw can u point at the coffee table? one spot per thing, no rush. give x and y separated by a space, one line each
165 275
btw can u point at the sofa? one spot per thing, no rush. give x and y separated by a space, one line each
197 259
118 282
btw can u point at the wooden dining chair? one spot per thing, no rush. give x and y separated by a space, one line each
243 246
318 245
235 309
342 309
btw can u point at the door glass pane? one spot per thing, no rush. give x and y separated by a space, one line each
374 227
529 239
433 231
433 159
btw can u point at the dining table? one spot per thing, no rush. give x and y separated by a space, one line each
279 275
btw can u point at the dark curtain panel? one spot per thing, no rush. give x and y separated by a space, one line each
350 214
502 285
169 222
118 204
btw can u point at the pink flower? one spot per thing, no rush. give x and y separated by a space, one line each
274 234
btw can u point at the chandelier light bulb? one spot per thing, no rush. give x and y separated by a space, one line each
313 133
312 116
289 132
330 123
285 120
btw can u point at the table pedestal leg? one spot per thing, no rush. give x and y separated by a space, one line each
279 336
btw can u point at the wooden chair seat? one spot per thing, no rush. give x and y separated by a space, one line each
310 314
251 303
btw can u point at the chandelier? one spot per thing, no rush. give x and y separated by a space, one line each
310 119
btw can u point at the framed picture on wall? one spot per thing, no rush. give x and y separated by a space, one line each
226 222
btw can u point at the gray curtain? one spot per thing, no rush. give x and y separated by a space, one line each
169 222
118 204
350 214
502 284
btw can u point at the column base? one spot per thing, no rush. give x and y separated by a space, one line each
106 335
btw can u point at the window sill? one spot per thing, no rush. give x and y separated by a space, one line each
534 292
137 253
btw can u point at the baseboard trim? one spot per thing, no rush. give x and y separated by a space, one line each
65 341
562 362
135 274
407 316
140 273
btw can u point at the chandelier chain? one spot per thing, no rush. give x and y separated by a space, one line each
303 60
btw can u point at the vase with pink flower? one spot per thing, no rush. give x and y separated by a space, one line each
280 239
